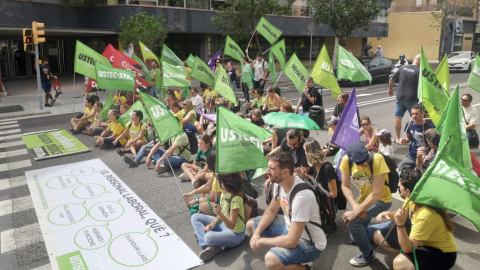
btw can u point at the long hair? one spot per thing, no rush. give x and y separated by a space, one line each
442 213
314 152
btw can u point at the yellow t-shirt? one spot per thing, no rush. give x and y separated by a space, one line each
363 178
177 95
208 94
179 115
428 227
215 183
135 130
122 99
88 112
272 103
118 129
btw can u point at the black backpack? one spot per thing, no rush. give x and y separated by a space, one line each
393 177
192 145
250 206
325 205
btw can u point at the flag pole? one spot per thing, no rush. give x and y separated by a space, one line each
74 92
266 51
278 79
251 39
176 180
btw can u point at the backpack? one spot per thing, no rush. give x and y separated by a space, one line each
250 206
325 205
393 177
249 189
192 145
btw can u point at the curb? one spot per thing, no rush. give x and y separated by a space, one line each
15 115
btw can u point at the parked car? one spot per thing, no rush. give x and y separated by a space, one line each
462 60
379 68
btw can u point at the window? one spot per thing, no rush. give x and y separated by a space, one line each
385 61
375 62
183 44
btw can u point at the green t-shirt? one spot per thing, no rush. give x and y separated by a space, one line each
201 157
193 119
182 141
236 203
258 103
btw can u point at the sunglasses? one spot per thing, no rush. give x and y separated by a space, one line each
218 62
365 125
464 100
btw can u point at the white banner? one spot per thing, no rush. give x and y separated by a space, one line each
91 220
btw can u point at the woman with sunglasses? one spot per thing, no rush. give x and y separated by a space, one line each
216 67
369 132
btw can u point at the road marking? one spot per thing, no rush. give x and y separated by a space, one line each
16 136
15 165
7 241
5 207
10 131
364 103
8 123
10 126
18 181
26 235
16 205
44 267
4 184
12 144
13 153
366 95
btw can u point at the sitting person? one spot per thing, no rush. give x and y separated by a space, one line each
137 134
369 132
189 116
290 244
256 118
424 159
203 124
119 98
385 138
175 108
272 102
146 148
208 93
97 122
212 188
178 93
293 144
196 172
196 99
123 108
258 101
116 129
330 148
227 230
78 124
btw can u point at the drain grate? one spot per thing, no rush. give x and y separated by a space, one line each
9 109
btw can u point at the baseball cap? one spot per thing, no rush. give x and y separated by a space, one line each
379 46
357 153
334 121
383 133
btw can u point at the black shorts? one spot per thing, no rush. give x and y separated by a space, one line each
256 84
430 258
109 143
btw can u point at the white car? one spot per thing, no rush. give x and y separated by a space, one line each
461 60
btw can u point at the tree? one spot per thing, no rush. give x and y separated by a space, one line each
238 18
147 29
344 16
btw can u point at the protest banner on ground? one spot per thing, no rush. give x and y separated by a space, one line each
53 143
91 219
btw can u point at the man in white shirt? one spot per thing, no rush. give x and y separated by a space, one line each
470 115
290 244
196 99
379 51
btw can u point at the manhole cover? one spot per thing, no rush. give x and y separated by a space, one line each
9 109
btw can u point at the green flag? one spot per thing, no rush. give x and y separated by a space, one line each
114 78
106 107
348 67
223 86
159 85
443 74
322 73
279 52
137 106
236 137
232 49
247 75
430 91
190 61
296 72
164 122
271 67
85 59
145 70
474 79
268 31
174 75
147 54
202 72
169 57
448 185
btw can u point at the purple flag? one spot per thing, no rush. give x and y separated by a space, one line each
211 63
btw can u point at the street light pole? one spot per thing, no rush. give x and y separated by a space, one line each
38 77
453 24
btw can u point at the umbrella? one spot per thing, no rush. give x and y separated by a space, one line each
290 120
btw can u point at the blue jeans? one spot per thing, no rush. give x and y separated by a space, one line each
401 106
469 135
304 252
220 236
188 126
358 227
143 152
303 113
175 161
234 85
379 226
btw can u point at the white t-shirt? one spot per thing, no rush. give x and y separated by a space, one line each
197 102
305 209
386 150
259 69
471 115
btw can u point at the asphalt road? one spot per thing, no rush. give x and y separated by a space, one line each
19 224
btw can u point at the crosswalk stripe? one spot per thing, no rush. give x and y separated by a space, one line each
15 165
10 131
13 182
10 126
44 267
15 143
13 153
16 205
5 207
7 241
8 123
25 236
4 184
16 136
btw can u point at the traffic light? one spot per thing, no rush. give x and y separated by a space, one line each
36 33
27 40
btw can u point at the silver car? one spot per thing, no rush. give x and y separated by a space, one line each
462 60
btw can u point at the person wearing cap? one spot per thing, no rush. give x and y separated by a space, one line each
424 159
375 196
330 148
385 138
379 51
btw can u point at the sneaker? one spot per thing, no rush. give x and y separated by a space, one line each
47 105
360 260
209 252
184 177
130 161
162 169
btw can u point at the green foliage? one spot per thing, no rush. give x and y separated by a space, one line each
147 29
238 18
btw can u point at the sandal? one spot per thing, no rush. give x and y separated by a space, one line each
85 132
121 152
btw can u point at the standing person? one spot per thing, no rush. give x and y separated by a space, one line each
375 196
415 135
45 74
370 52
196 99
310 97
379 51
153 79
273 102
216 66
407 78
246 71
261 70
470 115
232 73
365 51
293 239
369 132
